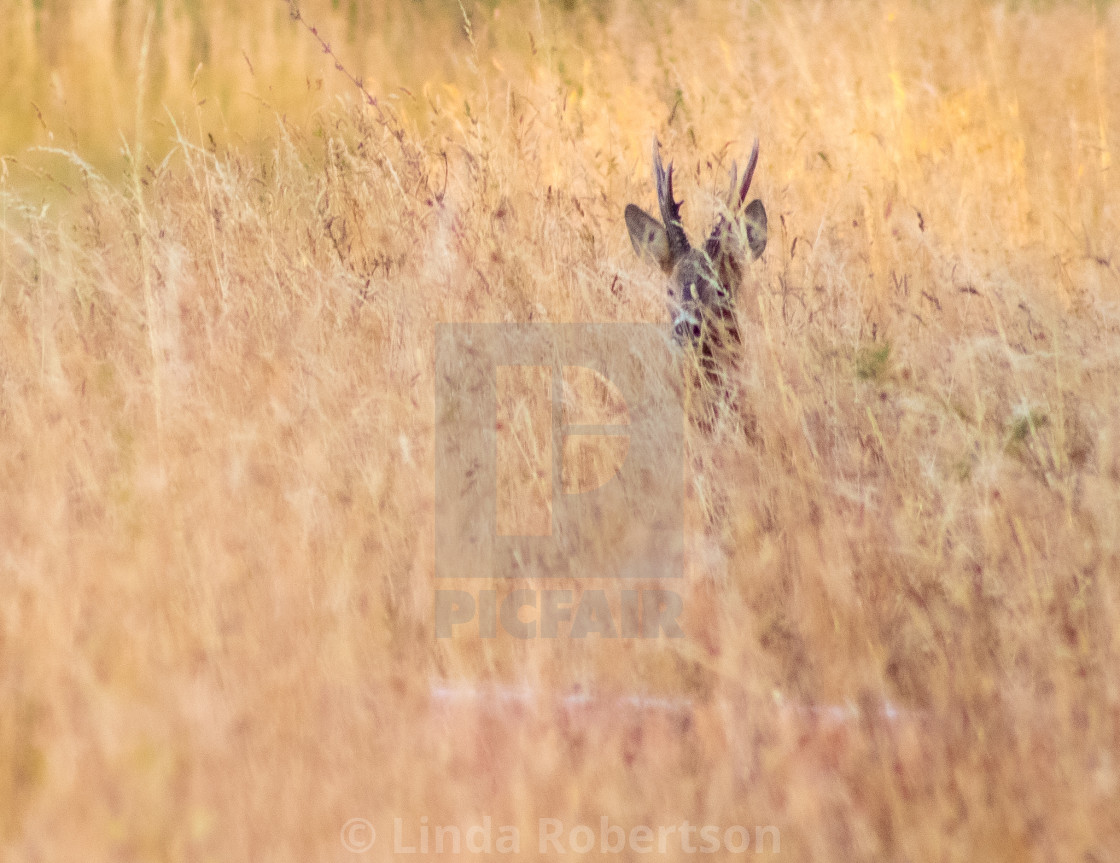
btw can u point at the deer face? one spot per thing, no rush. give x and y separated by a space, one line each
703 282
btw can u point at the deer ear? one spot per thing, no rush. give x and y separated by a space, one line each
648 237
754 219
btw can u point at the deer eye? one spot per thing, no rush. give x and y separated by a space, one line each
696 331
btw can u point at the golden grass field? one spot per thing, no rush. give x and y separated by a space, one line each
220 276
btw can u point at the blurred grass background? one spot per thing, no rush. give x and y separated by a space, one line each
219 278
72 72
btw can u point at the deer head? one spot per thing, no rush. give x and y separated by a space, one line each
703 282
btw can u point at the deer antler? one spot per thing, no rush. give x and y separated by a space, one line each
670 208
748 175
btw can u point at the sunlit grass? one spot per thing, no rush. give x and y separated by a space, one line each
218 294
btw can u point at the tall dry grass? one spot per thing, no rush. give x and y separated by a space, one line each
216 424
